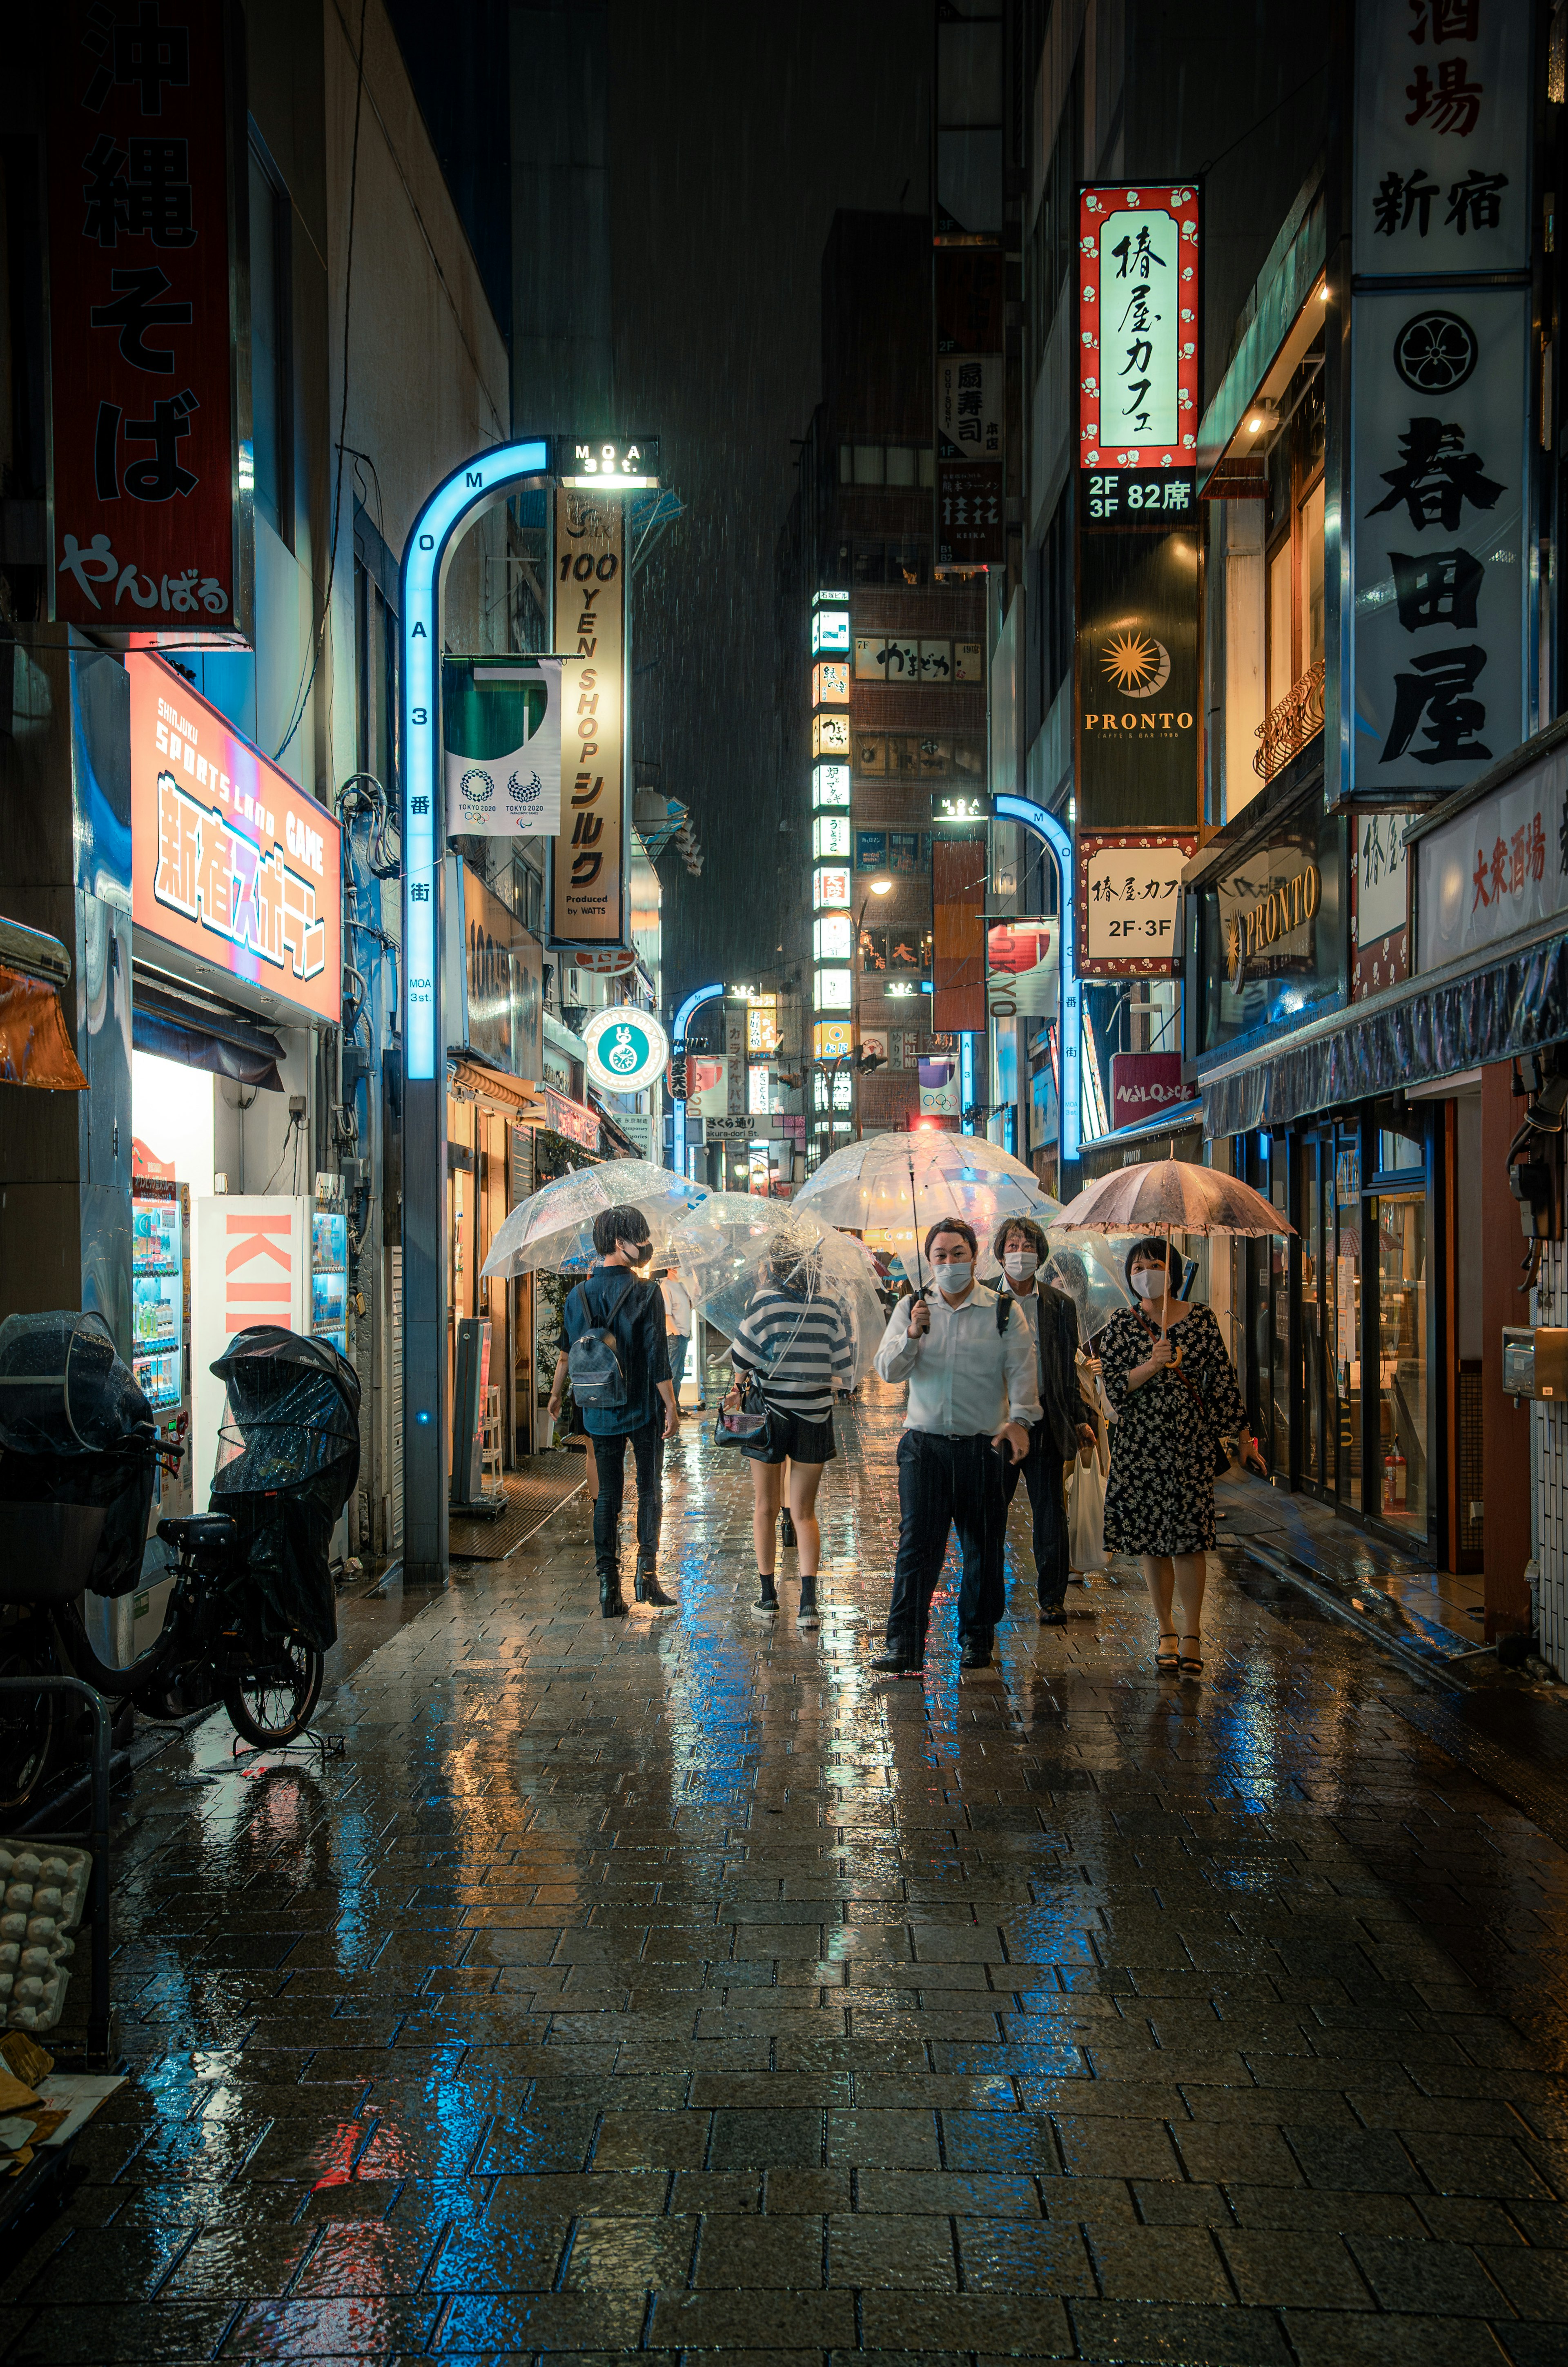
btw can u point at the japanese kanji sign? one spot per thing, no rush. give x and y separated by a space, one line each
1381 910
1439 545
1495 868
1442 137
589 866
139 235
1129 902
970 312
231 862
1137 358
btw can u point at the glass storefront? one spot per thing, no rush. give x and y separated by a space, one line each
1348 1294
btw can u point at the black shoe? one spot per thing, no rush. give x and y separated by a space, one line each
895 1662
1052 1615
975 1656
806 1616
767 1603
646 1588
786 1533
612 1602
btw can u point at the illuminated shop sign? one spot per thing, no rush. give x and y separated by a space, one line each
591 464
230 861
1137 358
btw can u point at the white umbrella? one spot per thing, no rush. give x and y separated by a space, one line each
554 1227
901 1183
728 1244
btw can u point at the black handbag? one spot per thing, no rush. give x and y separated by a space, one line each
750 1423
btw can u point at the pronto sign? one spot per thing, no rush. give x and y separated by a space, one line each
231 862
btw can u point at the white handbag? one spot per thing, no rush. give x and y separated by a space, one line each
1086 1485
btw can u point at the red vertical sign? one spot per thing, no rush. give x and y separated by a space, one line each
140 317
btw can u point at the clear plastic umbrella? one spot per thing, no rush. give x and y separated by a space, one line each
554 1227
1088 1268
725 1246
897 1186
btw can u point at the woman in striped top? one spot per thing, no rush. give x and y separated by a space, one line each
796 1343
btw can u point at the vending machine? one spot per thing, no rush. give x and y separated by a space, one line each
329 1276
160 1299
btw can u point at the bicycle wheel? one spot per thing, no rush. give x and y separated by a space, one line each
274 1700
27 1724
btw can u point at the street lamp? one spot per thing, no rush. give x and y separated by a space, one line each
874 888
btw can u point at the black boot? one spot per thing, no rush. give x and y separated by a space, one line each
646 1588
612 1603
806 1616
786 1533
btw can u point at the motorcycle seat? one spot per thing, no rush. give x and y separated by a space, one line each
201 1534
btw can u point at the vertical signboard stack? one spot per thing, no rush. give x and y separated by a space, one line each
590 870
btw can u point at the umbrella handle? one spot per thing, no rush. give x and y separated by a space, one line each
915 1222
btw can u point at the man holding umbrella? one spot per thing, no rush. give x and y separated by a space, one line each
1065 1426
970 1362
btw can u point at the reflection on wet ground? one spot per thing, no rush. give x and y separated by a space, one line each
675 1986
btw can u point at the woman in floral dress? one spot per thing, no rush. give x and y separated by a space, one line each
1173 1390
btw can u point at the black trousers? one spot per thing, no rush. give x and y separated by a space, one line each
947 1483
647 1454
1043 1473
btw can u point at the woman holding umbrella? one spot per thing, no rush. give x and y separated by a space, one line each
1173 1390
795 1340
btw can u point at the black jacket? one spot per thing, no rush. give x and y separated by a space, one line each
1062 1402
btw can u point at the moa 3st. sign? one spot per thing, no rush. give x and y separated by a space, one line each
627 1049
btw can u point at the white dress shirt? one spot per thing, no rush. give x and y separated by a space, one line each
965 1377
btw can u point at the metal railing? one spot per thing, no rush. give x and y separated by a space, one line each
1285 731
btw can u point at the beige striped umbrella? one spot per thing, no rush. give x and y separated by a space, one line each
1171 1195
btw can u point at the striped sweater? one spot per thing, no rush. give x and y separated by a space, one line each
796 1347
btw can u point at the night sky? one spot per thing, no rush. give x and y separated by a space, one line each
737 135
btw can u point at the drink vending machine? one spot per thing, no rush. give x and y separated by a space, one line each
159 1301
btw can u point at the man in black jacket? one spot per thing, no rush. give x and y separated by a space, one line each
1065 1426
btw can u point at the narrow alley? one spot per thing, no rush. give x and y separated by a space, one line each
674 1986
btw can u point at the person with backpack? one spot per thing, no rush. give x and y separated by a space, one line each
973 1398
618 1366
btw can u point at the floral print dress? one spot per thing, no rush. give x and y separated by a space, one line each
1160 1495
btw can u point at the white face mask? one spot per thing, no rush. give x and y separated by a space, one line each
1019 1264
953 1281
1149 1282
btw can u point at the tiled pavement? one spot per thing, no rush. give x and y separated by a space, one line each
676 1987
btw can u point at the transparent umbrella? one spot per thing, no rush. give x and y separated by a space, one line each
896 1185
725 1246
1088 1268
554 1227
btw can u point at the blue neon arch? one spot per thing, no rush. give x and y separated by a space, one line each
682 1020
475 485
1059 840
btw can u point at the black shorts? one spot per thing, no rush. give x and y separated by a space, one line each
797 1436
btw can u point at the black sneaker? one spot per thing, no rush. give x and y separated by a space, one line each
806 1616
766 1606
1052 1615
975 1656
896 1662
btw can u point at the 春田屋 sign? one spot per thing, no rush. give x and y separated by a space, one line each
230 861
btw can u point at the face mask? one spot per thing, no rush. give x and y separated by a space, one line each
1149 1282
1019 1264
953 1281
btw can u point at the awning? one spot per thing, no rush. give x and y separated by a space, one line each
35 1043
203 1036
516 1098
1109 1149
1437 1025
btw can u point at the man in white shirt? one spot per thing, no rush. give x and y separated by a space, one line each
970 1362
677 1325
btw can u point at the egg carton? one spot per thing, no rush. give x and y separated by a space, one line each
42 1893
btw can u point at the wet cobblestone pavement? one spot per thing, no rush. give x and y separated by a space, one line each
674 1986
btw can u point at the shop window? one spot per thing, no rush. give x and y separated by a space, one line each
1281 623
900 464
1398 1152
1312 576
869 464
272 363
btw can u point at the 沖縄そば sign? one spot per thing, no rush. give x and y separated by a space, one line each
144 488
232 863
